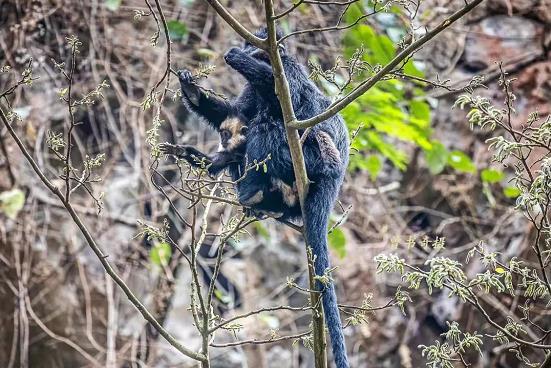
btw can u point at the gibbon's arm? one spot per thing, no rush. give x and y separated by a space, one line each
258 73
215 164
192 155
222 160
211 108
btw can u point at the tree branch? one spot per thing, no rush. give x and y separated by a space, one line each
96 249
237 27
283 94
366 85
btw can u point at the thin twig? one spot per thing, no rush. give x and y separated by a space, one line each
257 311
260 342
234 23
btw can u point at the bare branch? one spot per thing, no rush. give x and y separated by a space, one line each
257 311
336 27
236 25
260 342
96 249
285 12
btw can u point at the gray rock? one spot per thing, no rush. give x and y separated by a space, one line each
499 38
540 9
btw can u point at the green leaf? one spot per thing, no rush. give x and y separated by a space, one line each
223 297
511 192
337 242
398 158
411 69
420 110
113 5
261 230
461 162
492 176
205 53
392 109
437 158
160 254
177 30
379 48
11 202
373 165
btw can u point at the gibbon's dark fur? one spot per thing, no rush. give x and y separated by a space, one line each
326 150
231 156
325 168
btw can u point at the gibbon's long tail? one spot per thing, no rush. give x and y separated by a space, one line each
318 205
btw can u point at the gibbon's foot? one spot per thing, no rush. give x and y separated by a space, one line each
252 200
173 149
261 214
249 212
273 214
290 195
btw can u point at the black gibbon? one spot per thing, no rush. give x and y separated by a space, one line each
325 168
325 149
231 155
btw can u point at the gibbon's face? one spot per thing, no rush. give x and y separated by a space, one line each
232 134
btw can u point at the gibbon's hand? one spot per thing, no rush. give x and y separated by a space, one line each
176 150
189 89
232 55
